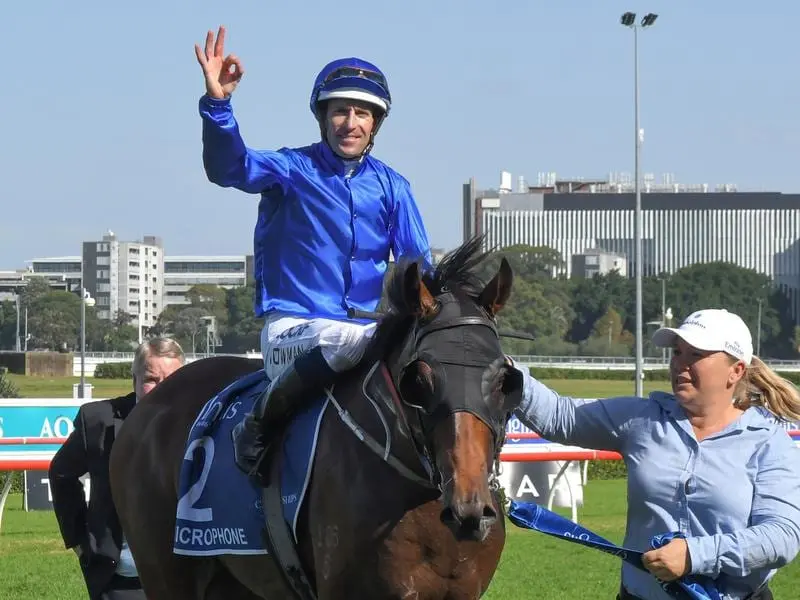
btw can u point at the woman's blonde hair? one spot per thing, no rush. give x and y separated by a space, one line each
761 386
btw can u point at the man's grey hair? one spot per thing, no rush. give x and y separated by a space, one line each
160 347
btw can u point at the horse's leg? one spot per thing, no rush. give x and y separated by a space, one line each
260 574
225 586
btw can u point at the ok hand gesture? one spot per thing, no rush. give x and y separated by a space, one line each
222 73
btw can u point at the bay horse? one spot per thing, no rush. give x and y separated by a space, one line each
421 520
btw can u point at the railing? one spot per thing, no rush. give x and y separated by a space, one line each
547 452
530 360
651 361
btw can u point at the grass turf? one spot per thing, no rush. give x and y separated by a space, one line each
61 387
34 564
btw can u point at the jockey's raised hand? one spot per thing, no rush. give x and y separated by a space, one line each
222 73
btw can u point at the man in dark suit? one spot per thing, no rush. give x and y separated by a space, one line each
93 531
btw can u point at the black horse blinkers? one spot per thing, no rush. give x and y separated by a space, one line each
460 364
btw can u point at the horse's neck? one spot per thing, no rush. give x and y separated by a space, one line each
368 399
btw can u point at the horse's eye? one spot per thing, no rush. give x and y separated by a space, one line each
417 387
425 376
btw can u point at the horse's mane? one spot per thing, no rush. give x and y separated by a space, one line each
457 270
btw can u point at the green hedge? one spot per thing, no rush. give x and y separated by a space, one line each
16 482
120 370
7 387
622 374
606 469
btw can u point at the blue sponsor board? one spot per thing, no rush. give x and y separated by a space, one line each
36 418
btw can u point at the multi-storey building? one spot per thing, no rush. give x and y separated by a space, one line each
183 272
125 277
681 225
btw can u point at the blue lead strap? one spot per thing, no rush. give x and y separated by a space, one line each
528 515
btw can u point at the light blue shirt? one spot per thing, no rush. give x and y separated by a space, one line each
735 495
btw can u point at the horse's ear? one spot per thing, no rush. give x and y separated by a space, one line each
418 297
496 293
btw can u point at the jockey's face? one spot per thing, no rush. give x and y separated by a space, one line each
155 370
348 126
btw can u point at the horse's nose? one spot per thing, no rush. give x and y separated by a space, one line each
470 518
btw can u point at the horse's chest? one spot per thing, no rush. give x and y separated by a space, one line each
416 570
423 582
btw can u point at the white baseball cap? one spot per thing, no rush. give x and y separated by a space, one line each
711 330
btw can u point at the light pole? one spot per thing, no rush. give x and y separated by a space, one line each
758 335
86 298
18 348
628 19
663 314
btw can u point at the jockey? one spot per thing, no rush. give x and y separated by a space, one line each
328 217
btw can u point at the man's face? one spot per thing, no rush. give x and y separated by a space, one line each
348 126
155 370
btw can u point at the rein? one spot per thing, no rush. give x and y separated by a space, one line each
383 451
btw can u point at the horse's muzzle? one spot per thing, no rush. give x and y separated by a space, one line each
470 519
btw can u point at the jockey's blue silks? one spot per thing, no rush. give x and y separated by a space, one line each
528 515
324 232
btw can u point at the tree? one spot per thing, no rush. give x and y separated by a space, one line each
212 300
592 298
36 288
609 326
116 335
7 387
539 305
528 262
189 325
8 325
739 290
244 328
608 337
54 320
796 340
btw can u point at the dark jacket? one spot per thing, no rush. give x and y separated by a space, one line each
94 528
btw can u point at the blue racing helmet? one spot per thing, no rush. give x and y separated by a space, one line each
351 78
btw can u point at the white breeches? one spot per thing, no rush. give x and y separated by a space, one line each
284 338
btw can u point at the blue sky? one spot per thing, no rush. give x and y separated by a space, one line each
101 129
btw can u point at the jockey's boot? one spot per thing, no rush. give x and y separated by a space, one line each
285 397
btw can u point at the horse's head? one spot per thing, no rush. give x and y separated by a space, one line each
450 374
